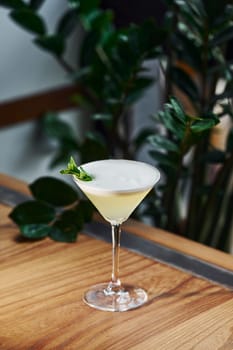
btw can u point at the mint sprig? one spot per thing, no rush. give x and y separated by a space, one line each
78 171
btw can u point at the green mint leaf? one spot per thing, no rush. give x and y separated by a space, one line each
79 172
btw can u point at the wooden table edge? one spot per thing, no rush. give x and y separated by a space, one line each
153 234
181 244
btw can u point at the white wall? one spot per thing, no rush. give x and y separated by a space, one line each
24 70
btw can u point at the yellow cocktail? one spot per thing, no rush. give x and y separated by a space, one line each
116 189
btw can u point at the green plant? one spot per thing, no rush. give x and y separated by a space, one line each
192 50
199 33
56 210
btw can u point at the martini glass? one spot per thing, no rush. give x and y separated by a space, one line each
117 187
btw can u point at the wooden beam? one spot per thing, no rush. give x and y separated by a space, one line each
33 106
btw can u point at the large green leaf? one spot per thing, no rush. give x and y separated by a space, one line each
54 43
223 36
171 122
88 49
67 23
137 89
163 160
195 7
36 4
74 3
191 14
160 142
213 10
73 216
185 46
127 48
67 226
178 109
150 36
32 212
203 125
58 129
93 148
29 20
53 191
87 6
35 231
63 135
63 232
100 21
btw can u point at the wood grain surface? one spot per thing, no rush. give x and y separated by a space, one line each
41 307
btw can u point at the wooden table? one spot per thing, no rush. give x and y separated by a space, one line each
42 283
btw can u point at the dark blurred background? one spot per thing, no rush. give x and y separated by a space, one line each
127 11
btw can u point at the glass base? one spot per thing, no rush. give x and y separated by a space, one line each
125 298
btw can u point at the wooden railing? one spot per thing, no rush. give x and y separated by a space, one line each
33 106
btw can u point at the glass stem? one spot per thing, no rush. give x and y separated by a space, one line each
115 283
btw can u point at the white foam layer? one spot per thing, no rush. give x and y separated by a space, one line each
118 175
